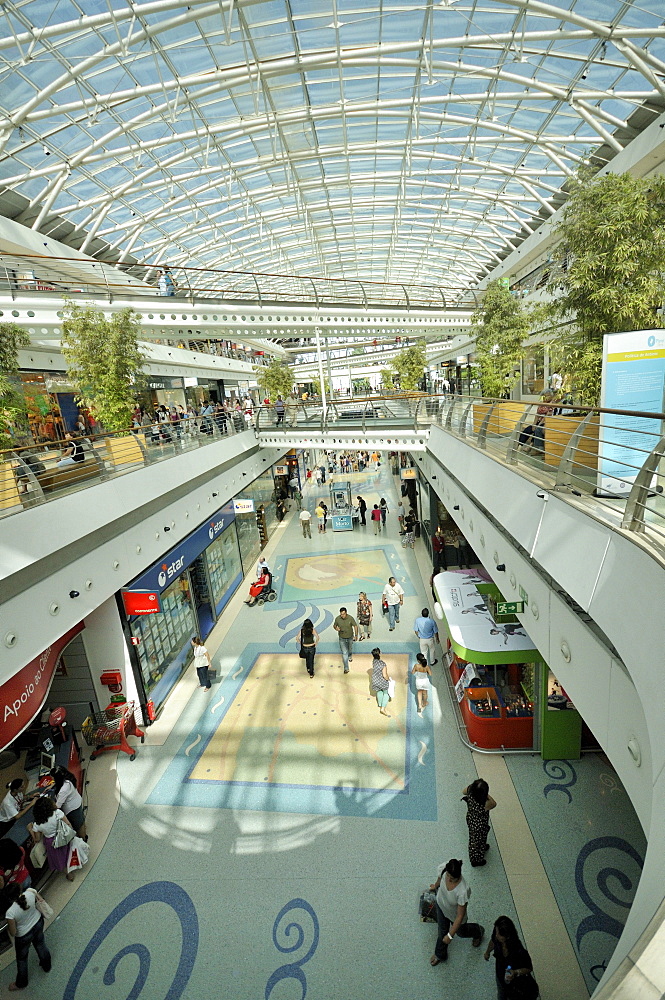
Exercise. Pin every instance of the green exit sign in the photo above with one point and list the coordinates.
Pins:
(510, 607)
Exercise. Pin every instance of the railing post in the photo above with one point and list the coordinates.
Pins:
(482, 433)
(565, 469)
(449, 418)
(513, 441)
(465, 417)
(147, 459)
(633, 515)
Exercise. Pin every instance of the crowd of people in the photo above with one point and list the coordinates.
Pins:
(59, 839)
(166, 423)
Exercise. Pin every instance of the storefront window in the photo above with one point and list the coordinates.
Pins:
(224, 565)
(533, 371)
(163, 647)
(248, 539)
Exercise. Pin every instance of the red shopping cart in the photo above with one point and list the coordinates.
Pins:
(108, 730)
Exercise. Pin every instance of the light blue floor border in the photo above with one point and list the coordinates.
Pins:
(417, 801)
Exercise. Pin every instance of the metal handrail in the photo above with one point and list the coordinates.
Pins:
(31, 475)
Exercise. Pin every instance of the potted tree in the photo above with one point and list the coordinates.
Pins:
(276, 379)
(105, 365)
(13, 411)
(500, 325)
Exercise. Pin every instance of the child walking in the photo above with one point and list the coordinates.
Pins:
(422, 673)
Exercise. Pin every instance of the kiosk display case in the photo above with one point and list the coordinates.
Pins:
(491, 663)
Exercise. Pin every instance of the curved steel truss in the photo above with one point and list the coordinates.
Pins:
(391, 140)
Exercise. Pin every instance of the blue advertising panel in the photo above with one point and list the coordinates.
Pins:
(633, 379)
(171, 565)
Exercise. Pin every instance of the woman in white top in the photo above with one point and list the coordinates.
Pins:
(26, 925)
(68, 799)
(14, 805)
(452, 897)
(45, 828)
(422, 675)
(201, 662)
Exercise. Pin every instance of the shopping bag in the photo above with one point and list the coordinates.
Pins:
(38, 855)
(391, 688)
(64, 834)
(426, 907)
(78, 855)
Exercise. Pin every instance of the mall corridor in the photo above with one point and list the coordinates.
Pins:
(274, 834)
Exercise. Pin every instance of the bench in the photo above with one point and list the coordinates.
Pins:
(68, 475)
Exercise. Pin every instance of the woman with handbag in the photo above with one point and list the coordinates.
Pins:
(514, 968)
(380, 681)
(68, 798)
(364, 616)
(479, 802)
(26, 925)
(52, 826)
(308, 637)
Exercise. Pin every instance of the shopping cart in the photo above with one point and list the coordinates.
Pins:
(108, 730)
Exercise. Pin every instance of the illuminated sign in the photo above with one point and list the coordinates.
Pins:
(141, 602)
(243, 506)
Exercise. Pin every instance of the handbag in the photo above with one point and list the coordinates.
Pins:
(44, 908)
(38, 855)
(79, 853)
(427, 907)
(384, 605)
(522, 988)
(64, 833)
(391, 688)
(302, 654)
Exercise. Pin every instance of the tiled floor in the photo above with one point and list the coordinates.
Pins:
(273, 835)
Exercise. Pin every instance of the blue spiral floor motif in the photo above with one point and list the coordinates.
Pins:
(609, 880)
(564, 774)
(154, 892)
(298, 616)
(293, 969)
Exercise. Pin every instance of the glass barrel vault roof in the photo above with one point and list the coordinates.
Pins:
(392, 141)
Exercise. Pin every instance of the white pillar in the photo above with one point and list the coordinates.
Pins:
(320, 363)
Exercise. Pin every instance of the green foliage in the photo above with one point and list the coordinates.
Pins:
(409, 365)
(316, 386)
(13, 412)
(104, 360)
(361, 385)
(276, 378)
(500, 326)
(611, 269)
(387, 379)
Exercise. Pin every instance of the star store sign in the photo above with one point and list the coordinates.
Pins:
(173, 563)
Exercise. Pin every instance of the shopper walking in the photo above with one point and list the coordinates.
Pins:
(376, 519)
(394, 597)
(479, 802)
(362, 509)
(383, 507)
(297, 497)
(305, 519)
(427, 631)
(452, 898)
(364, 615)
(512, 961)
(45, 828)
(26, 925)
(308, 638)
(320, 516)
(294, 485)
(422, 674)
(201, 662)
(324, 508)
(280, 410)
(380, 681)
(347, 630)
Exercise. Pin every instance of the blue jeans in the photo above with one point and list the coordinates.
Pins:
(34, 936)
(346, 646)
(393, 614)
(203, 676)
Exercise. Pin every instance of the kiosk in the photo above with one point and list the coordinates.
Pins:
(341, 506)
(492, 663)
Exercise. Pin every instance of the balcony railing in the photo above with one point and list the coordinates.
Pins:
(36, 474)
(609, 460)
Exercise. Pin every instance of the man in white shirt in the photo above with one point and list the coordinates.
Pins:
(260, 566)
(306, 523)
(394, 596)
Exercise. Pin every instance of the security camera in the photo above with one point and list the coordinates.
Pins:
(73, 594)
(542, 495)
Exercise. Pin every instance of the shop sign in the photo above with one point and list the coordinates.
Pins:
(173, 563)
(141, 602)
(156, 385)
(281, 470)
(408, 474)
(22, 696)
(243, 506)
(190, 381)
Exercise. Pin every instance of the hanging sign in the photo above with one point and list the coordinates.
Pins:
(243, 506)
(408, 474)
(141, 602)
(281, 470)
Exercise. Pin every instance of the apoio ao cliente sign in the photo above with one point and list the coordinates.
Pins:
(170, 566)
